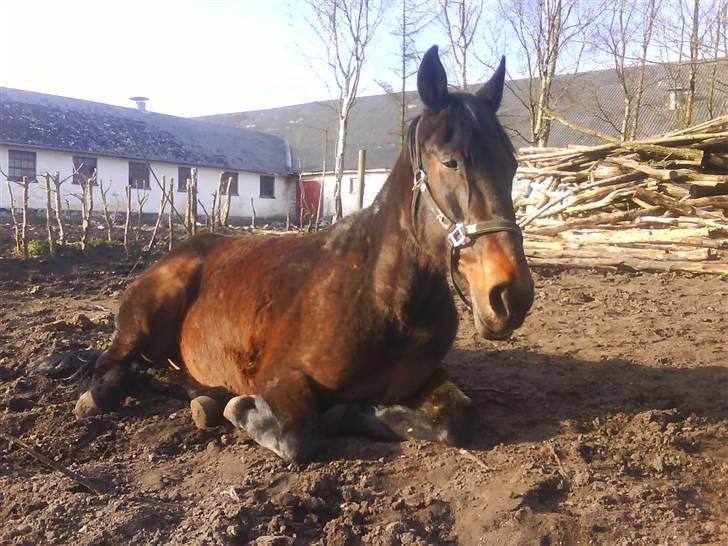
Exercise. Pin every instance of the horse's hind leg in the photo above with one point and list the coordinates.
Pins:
(440, 412)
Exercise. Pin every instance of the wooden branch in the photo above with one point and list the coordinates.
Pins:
(52, 464)
(59, 209)
(49, 217)
(170, 219)
(16, 225)
(606, 218)
(24, 226)
(716, 268)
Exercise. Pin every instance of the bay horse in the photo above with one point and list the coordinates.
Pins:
(344, 330)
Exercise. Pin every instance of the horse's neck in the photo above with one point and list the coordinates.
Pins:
(401, 271)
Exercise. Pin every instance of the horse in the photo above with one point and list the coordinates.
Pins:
(343, 331)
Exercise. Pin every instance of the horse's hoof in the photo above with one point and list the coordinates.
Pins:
(86, 406)
(206, 412)
(237, 409)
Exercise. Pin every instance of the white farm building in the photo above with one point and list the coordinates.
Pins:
(42, 133)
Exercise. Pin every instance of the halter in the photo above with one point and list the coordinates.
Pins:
(459, 234)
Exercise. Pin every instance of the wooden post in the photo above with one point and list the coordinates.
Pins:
(217, 203)
(288, 207)
(170, 246)
(128, 219)
(24, 227)
(105, 205)
(360, 179)
(59, 209)
(140, 215)
(49, 220)
(320, 204)
(18, 246)
(162, 205)
(188, 208)
(87, 207)
(252, 219)
(194, 200)
(225, 212)
(213, 214)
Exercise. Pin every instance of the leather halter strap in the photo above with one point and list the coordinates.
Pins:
(459, 234)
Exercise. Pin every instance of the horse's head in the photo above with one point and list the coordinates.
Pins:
(464, 167)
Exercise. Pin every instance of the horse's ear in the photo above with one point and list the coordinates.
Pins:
(492, 90)
(432, 80)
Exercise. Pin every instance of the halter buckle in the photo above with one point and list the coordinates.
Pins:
(420, 177)
(457, 236)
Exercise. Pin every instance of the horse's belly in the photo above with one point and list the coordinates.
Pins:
(209, 356)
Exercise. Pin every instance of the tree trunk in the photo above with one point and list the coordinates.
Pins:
(24, 227)
(170, 219)
(105, 205)
(339, 166)
(59, 209)
(49, 219)
(128, 219)
(18, 244)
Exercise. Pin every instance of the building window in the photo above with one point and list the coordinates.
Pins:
(183, 175)
(227, 175)
(352, 186)
(267, 187)
(84, 168)
(21, 164)
(139, 175)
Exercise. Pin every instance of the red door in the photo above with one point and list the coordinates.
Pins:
(307, 199)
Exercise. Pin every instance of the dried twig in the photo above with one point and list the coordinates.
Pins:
(469, 455)
(53, 464)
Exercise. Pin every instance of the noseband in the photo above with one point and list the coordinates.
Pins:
(459, 234)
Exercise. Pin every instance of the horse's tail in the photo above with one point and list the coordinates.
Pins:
(67, 366)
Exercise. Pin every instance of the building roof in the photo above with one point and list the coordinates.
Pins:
(51, 122)
(590, 99)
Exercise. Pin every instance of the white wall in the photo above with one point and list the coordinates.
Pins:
(373, 182)
(114, 173)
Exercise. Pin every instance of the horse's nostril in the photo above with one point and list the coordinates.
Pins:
(499, 300)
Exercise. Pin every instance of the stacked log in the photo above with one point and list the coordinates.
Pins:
(654, 204)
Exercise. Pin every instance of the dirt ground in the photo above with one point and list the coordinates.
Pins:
(608, 425)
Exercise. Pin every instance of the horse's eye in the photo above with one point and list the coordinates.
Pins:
(451, 163)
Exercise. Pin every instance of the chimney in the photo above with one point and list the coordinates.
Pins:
(141, 103)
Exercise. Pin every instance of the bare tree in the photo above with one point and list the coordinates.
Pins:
(716, 42)
(412, 17)
(544, 31)
(625, 33)
(683, 37)
(49, 216)
(105, 205)
(345, 28)
(460, 20)
(16, 226)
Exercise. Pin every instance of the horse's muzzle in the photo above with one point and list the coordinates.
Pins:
(507, 305)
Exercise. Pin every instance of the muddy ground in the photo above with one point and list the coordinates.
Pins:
(609, 425)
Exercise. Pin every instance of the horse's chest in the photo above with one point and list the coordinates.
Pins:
(386, 370)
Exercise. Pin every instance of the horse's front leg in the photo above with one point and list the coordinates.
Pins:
(439, 412)
(283, 417)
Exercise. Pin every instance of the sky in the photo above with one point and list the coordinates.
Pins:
(190, 57)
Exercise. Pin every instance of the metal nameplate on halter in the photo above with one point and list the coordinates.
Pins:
(457, 236)
(420, 177)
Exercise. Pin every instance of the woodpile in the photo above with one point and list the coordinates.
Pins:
(654, 204)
